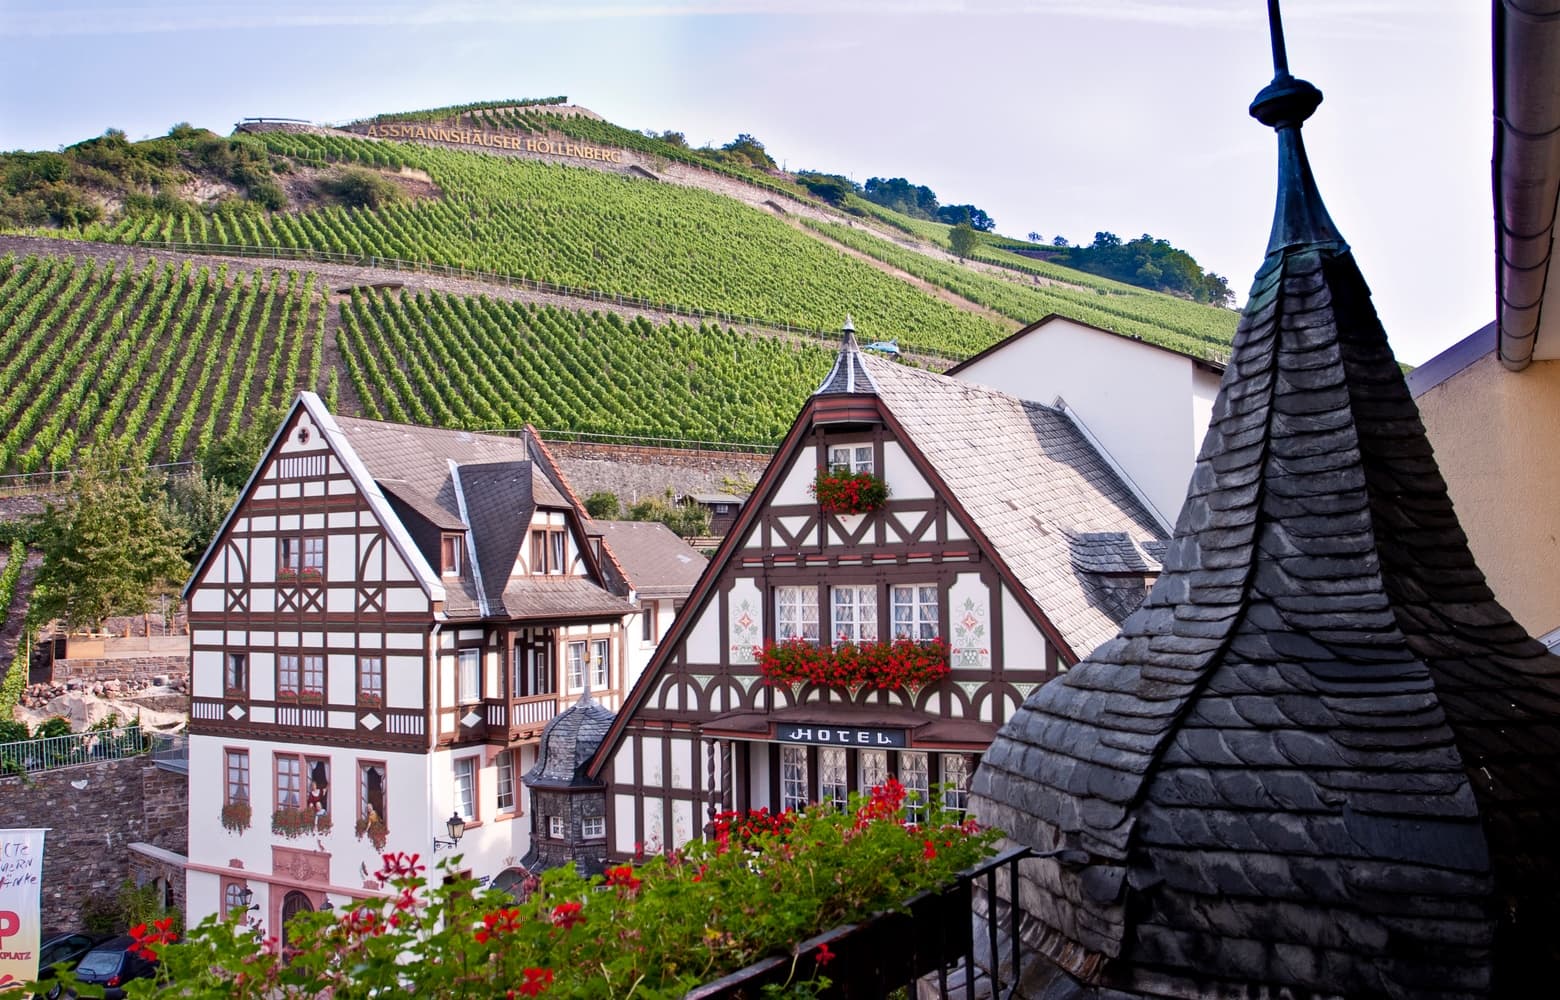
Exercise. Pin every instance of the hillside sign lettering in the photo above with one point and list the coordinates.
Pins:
(839, 736)
(493, 140)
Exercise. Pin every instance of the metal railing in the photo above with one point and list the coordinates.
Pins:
(55, 752)
(171, 751)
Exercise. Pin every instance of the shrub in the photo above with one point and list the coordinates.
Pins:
(361, 188)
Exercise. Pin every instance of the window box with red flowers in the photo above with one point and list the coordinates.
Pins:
(904, 664)
(374, 828)
(236, 816)
(840, 491)
(368, 699)
(311, 697)
(299, 821)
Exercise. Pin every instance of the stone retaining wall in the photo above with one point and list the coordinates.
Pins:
(141, 669)
(635, 472)
(93, 813)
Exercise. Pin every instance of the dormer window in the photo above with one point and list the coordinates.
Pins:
(851, 457)
(449, 557)
(548, 549)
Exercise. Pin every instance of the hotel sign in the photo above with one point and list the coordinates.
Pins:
(839, 736)
(492, 140)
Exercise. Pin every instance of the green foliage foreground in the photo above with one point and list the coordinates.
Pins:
(759, 885)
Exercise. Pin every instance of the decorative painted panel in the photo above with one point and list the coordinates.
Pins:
(745, 620)
(969, 623)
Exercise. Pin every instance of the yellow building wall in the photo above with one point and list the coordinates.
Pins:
(1496, 435)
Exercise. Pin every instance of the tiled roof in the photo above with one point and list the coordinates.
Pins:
(1030, 481)
(567, 744)
(416, 460)
(559, 597)
(657, 562)
(1320, 760)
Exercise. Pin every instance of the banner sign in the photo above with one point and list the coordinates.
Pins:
(839, 736)
(21, 895)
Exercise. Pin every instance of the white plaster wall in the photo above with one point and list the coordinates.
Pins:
(1139, 400)
(803, 470)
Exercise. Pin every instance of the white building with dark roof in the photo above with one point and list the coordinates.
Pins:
(380, 630)
(1005, 534)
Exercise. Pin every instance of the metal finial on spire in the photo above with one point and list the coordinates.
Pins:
(849, 327)
(1283, 105)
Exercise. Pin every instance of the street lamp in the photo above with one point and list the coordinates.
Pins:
(457, 827)
(246, 895)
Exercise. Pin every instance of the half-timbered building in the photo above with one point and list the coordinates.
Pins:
(381, 629)
(1005, 534)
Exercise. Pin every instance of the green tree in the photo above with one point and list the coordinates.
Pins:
(961, 240)
(198, 505)
(110, 548)
(602, 503)
(231, 458)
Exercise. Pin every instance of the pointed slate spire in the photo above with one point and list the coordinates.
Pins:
(1320, 760)
(849, 375)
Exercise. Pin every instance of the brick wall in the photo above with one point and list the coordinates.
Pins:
(93, 813)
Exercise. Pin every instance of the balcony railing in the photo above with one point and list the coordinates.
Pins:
(54, 752)
(928, 947)
(171, 752)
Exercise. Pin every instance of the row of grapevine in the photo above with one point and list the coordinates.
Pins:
(1195, 329)
(476, 362)
(13, 679)
(594, 230)
(164, 356)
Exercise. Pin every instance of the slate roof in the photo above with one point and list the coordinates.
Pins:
(1320, 760)
(849, 375)
(567, 744)
(1032, 483)
(658, 563)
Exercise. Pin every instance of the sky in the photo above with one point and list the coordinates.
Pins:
(1063, 117)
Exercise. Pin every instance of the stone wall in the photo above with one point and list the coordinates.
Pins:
(163, 671)
(634, 472)
(93, 813)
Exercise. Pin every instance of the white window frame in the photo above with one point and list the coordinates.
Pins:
(313, 547)
(465, 787)
(289, 667)
(796, 613)
(957, 768)
(311, 674)
(833, 777)
(793, 777)
(861, 600)
(594, 828)
(871, 769)
(371, 677)
(468, 666)
(555, 827)
(853, 458)
(600, 663)
(915, 776)
(505, 781)
(913, 610)
(575, 653)
(235, 776)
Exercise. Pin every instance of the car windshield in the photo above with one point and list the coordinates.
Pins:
(100, 963)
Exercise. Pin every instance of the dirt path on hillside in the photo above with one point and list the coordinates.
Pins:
(341, 277)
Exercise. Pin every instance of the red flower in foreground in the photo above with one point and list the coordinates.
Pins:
(161, 932)
(930, 852)
(566, 915)
(825, 956)
(624, 878)
(536, 982)
(503, 921)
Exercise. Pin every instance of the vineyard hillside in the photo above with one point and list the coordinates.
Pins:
(480, 267)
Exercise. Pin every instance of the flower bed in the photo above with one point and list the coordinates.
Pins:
(903, 663)
(840, 491)
(762, 885)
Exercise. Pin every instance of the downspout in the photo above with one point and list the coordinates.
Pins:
(1526, 167)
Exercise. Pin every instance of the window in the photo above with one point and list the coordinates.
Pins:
(313, 676)
(594, 828)
(872, 766)
(289, 781)
(913, 775)
(371, 681)
(533, 670)
(237, 770)
(956, 781)
(506, 781)
(289, 678)
(600, 663)
(371, 792)
(852, 458)
(832, 771)
(555, 827)
(317, 795)
(796, 613)
(855, 614)
(647, 624)
(575, 661)
(793, 777)
(548, 549)
(449, 555)
(233, 899)
(235, 679)
(915, 611)
(314, 555)
(288, 556)
(470, 675)
(300, 556)
(466, 788)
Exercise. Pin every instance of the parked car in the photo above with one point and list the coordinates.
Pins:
(65, 947)
(110, 965)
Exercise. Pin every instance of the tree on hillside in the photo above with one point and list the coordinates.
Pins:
(961, 240)
(917, 201)
(977, 219)
(748, 149)
(110, 548)
(1035, 237)
(832, 188)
